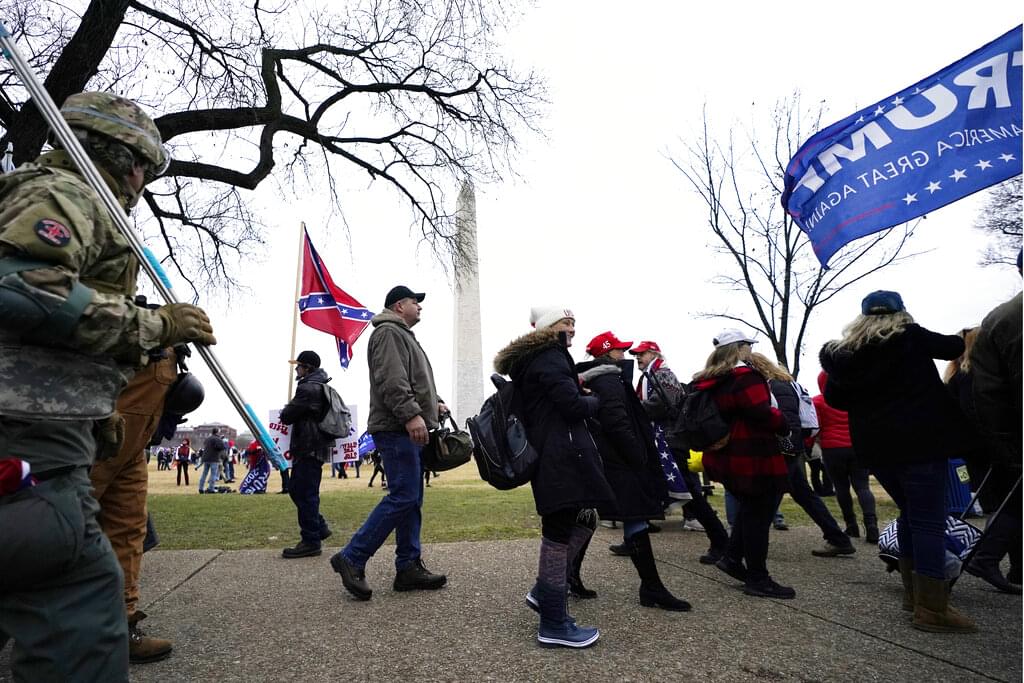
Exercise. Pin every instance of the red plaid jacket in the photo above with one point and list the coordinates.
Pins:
(750, 463)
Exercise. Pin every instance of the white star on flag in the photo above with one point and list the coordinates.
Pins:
(910, 198)
(983, 164)
(319, 299)
(898, 101)
(364, 314)
(917, 91)
(860, 119)
(880, 110)
(671, 477)
(933, 187)
(1007, 157)
(344, 311)
(958, 174)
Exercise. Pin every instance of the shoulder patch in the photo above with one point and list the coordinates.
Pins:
(52, 233)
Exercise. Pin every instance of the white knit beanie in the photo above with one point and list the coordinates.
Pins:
(546, 316)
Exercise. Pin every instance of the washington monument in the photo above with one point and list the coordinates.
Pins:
(466, 357)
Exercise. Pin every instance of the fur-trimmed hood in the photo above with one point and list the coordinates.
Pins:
(593, 369)
(524, 347)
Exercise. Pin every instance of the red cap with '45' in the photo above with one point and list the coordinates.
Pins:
(605, 342)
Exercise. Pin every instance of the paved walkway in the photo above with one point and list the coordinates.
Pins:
(251, 616)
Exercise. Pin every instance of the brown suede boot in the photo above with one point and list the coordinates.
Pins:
(143, 649)
(907, 575)
(932, 611)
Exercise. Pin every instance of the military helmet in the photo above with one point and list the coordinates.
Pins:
(120, 119)
(185, 395)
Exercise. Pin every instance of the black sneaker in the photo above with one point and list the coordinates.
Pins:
(352, 577)
(621, 549)
(734, 569)
(832, 550)
(871, 534)
(326, 533)
(418, 577)
(852, 530)
(303, 549)
(712, 556)
(767, 588)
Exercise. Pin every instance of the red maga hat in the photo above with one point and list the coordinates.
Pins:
(605, 342)
(645, 346)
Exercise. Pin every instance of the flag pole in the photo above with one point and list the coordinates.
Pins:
(295, 308)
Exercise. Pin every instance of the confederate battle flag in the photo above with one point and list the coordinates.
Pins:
(325, 307)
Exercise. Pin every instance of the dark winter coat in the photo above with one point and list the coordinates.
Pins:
(996, 369)
(554, 411)
(304, 413)
(834, 424)
(789, 405)
(900, 412)
(750, 463)
(213, 448)
(625, 440)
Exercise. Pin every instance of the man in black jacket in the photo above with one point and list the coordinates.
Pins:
(310, 449)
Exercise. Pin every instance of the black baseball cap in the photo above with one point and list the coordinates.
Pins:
(402, 292)
(310, 358)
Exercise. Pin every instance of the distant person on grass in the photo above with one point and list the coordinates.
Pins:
(403, 407)
(310, 448)
(212, 449)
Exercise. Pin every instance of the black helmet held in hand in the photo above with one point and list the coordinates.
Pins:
(185, 395)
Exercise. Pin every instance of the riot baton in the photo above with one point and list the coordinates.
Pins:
(149, 262)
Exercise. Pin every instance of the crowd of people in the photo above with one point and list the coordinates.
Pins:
(73, 470)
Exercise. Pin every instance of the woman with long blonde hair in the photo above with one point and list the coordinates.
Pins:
(749, 463)
(904, 426)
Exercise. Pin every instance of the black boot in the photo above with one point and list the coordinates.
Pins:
(994, 545)
(576, 586)
(652, 591)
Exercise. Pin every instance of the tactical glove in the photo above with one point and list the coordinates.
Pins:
(185, 323)
(109, 436)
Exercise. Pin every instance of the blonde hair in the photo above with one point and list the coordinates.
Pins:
(963, 363)
(723, 359)
(771, 370)
(867, 329)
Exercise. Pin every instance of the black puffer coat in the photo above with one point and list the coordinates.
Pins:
(554, 411)
(304, 413)
(625, 440)
(900, 412)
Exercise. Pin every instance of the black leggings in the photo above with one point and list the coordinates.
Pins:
(557, 526)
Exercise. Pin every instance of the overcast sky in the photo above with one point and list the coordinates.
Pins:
(600, 221)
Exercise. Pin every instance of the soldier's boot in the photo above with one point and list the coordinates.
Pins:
(143, 649)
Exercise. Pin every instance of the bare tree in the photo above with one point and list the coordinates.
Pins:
(1001, 219)
(771, 259)
(411, 93)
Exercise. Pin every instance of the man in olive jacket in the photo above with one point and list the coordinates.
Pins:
(403, 407)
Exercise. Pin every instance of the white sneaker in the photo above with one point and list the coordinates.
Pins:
(692, 525)
(607, 524)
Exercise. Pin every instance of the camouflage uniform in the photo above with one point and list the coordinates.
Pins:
(58, 384)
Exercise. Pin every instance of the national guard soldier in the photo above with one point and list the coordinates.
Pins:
(70, 338)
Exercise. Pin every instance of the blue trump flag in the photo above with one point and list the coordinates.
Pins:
(943, 138)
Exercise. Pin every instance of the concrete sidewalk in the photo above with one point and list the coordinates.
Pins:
(252, 616)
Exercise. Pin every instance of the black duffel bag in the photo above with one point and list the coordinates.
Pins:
(448, 448)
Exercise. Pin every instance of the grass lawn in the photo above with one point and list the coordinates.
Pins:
(457, 507)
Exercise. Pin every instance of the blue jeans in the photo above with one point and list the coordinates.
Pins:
(211, 469)
(399, 511)
(304, 490)
(919, 490)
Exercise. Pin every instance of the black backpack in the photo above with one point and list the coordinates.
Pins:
(502, 452)
(337, 420)
(699, 424)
